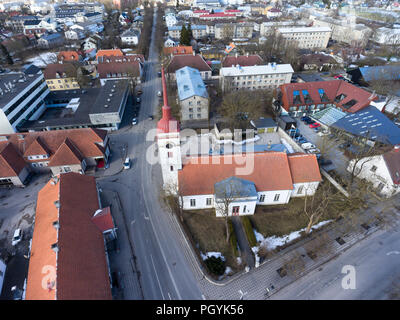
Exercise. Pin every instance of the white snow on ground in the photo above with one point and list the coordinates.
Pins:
(212, 254)
(287, 145)
(239, 260)
(228, 270)
(43, 59)
(274, 241)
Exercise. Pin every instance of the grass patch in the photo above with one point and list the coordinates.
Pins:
(283, 219)
(233, 239)
(248, 229)
(208, 234)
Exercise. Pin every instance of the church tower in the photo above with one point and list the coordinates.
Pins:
(168, 141)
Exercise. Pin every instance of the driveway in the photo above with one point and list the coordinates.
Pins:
(328, 147)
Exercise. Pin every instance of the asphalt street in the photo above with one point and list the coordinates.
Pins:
(164, 270)
(376, 262)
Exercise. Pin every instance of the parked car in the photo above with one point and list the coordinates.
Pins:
(159, 93)
(159, 74)
(313, 150)
(151, 117)
(138, 100)
(302, 140)
(127, 163)
(134, 121)
(310, 121)
(305, 118)
(308, 145)
(324, 162)
(17, 237)
(314, 125)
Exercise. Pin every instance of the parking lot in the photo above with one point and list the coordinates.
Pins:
(329, 146)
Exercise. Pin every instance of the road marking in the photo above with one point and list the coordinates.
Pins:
(392, 252)
(169, 296)
(158, 280)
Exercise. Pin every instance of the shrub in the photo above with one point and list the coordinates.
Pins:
(248, 228)
(233, 239)
(215, 265)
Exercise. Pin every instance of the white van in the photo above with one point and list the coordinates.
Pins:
(17, 237)
(127, 163)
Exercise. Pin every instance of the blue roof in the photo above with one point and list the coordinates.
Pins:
(234, 187)
(390, 72)
(372, 124)
(189, 83)
(174, 28)
(51, 36)
(198, 27)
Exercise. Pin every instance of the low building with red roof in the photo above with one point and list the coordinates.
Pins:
(115, 67)
(57, 151)
(178, 50)
(311, 97)
(68, 258)
(190, 60)
(109, 53)
(69, 56)
(243, 61)
(219, 15)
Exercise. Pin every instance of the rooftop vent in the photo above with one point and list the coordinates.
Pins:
(56, 224)
(57, 203)
(106, 106)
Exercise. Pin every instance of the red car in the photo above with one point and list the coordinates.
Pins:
(314, 125)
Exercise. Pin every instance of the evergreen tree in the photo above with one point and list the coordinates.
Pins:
(190, 33)
(185, 38)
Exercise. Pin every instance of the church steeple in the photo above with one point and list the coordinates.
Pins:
(167, 123)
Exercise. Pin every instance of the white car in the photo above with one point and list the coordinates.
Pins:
(313, 150)
(307, 146)
(127, 163)
(159, 93)
(17, 237)
(134, 121)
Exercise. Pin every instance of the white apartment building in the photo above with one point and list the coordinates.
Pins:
(387, 36)
(22, 97)
(231, 30)
(255, 77)
(267, 28)
(307, 38)
(344, 30)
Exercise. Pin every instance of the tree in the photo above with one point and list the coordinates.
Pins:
(184, 39)
(240, 106)
(226, 192)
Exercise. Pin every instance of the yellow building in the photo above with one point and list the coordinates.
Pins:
(61, 76)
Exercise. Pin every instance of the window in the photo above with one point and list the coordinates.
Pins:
(171, 168)
(349, 104)
(192, 202)
(276, 198)
(373, 168)
(208, 201)
(244, 209)
(340, 97)
(169, 154)
(262, 198)
(300, 190)
(67, 169)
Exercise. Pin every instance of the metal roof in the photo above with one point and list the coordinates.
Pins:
(234, 187)
(189, 83)
(372, 124)
(381, 73)
(329, 115)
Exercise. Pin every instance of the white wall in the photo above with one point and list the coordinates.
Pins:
(284, 197)
(304, 188)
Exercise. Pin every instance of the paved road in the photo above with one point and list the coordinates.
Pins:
(376, 261)
(164, 270)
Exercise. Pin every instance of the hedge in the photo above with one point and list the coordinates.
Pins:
(233, 239)
(248, 229)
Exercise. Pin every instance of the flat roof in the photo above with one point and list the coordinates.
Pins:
(13, 83)
(304, 29)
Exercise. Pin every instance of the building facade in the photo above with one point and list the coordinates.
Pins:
(307, 38)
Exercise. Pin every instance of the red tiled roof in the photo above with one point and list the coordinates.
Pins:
(103, 219)
(196, 62)
(118, 65)
(53, 69)
(178, 50)
(216, 15)
(304, 168)
(87, 140)
(80, 267)
(66, 154)
(11, 162)
(268, 170)
(68, 56)
(392, 160)
(109, 52)
(332, 89)
(244, 61)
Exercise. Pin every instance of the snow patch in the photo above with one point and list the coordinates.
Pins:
(212, 254)
(273, 242)
(43, 59)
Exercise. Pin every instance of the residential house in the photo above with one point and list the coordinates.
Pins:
(66, 56)
(51, 40)
(382, 171)
(255, 77)
(170, 20)
(274, 13)
(130, 37)
(244, 61)
(178, 50)
(387, 36)
(298, 99)
(318, 62)
(192, 94)
(170, 43)
(68, 242)
(17, 23)
(109, 53)
(217, 16)
(116, 67)
(270, 27)
(61, 76)
(38, 27)
(366, 75)
(193, 61)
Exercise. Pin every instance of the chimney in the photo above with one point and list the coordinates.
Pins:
(57, 204)
(56, 224)
(54, 247)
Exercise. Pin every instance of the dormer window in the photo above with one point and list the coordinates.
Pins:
(349, 104)
(340, 97)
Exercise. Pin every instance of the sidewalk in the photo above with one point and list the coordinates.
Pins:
(245, 250)
(129, 286)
